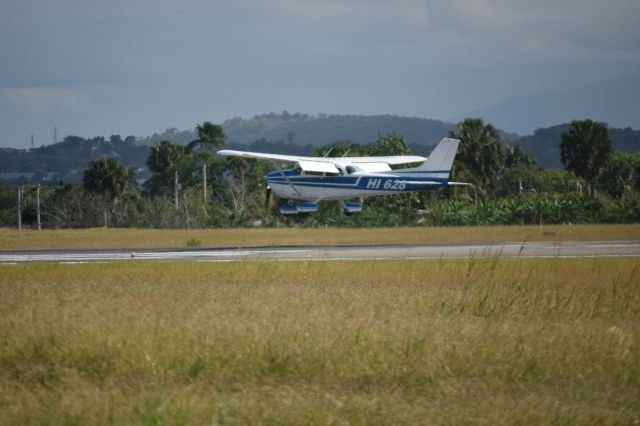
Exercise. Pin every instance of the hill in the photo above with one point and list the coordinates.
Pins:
(324, 129)
(67, 159)
(317, 130)
(613, 101)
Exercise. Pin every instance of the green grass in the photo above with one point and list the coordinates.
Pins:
(489, 341)
(142, 238)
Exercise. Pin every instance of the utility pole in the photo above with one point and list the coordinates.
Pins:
(32, 144)
(20, 208)
(38, 207)
(55, 134)
(204, 180)
(176, 188)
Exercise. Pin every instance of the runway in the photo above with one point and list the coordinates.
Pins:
(430, 251)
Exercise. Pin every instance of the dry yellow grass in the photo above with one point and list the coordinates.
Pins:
(489, 341)
(142, 238)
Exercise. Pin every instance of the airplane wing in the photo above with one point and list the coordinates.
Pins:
(390, 159)
(371, 163)
(261, 156)
(309, 164)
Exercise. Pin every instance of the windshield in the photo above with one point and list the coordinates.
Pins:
(352, 169)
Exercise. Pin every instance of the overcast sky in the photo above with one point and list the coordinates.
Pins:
(135, 67)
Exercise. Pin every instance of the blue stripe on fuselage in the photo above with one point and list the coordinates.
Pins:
(367, 183)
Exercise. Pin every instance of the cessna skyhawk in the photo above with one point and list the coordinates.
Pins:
(314, 179)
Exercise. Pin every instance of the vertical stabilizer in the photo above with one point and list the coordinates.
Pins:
(439, 163)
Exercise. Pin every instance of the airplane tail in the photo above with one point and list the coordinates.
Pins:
(438, 164)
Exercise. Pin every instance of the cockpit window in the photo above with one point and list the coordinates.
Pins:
(353, 169)
(296, 171)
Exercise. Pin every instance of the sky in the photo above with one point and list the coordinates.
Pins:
(136, 67)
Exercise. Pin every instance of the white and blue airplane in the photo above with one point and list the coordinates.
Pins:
(314, 179)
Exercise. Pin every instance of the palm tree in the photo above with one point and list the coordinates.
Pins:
(480, 151)
(106, 177)
(210, 136)
(585, 148)
(164, 160)
(163, 156)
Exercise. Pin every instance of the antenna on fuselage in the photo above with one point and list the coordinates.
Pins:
(328, 152)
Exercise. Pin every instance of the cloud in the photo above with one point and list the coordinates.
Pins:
(355, 13)
(139, 64)
(43, 100)
(588, 25)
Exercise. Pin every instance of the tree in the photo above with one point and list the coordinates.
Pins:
(343, 148)
(107, 178)
(480, 151)
(516, 157)
(164, 160)
(585, 148)
(620, 173)
(163, 156)
(391, 144)
(210, 136)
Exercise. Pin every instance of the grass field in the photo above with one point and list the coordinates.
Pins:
(144, 238)
(480, 341)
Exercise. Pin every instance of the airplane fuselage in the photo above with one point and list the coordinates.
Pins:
(289, 185)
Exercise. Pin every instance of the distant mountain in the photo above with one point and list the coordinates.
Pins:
(318, 130)
(544, 144)
(324, 129)
(616, 102)
(180, 137)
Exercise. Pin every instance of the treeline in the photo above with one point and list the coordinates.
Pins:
(297, 134)
(190, 187)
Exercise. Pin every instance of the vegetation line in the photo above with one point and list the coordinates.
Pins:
(187, 186)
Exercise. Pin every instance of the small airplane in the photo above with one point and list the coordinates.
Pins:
(314, 179)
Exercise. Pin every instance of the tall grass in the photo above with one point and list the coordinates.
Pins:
(439, 341)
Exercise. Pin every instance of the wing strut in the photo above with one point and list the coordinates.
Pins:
(284, 175)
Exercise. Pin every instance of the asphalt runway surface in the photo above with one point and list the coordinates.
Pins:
(427, 251)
